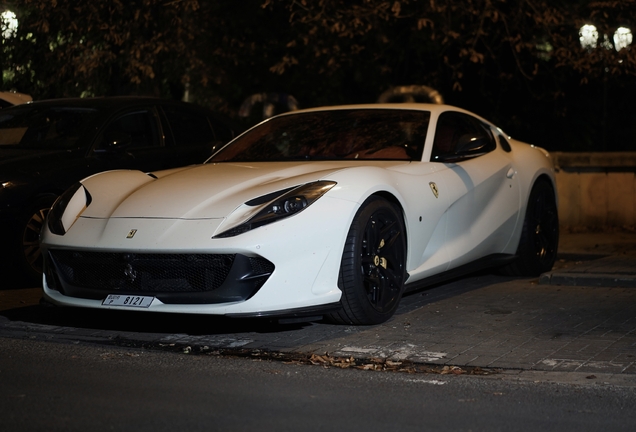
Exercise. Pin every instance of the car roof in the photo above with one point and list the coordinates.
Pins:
(434, 109)
(110, 102)
(437, 108)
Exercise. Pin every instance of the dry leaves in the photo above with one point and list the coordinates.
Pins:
(373, 364)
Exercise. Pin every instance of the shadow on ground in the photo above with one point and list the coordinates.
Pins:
(200, 325)
(144, 322)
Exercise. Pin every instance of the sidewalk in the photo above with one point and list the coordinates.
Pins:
(595, 259)
(561, 322)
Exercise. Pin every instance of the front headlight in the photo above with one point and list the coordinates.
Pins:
(67, 208)
(291, 202)
(13, 190)
(10, 184)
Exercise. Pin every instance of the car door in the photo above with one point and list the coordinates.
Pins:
(480, 185)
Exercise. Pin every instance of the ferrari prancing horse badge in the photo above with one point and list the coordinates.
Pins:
(434, 189)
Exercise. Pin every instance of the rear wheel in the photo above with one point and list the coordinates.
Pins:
(537, 248)
(372, 270)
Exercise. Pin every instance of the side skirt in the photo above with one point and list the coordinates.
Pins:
(494, 260)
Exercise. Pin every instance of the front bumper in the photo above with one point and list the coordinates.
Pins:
(171, 278)
(291, 265)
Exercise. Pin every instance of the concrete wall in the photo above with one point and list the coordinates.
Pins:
(596, 191)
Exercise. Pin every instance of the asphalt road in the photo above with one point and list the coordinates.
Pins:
(483, 352)
(47, 386)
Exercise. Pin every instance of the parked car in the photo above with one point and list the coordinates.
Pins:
(47, 146)
(8, 99)
(328, 211)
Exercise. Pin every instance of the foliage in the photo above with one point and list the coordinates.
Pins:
(517, 62)
(66, 47)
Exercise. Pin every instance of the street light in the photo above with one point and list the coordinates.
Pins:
(9, 24)
(589, 38)
(622, 38)
(588, 35)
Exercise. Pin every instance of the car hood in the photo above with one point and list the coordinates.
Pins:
(31, 162)
(197, 192)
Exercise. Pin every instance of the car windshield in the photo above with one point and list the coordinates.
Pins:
(385, 134)
(44, 128)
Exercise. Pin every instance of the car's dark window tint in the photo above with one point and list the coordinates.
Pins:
(333, 135)
(139, 126)
(44, 128)
(189, 127)
(456, 130)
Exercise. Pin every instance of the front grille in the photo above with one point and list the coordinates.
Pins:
(133, 272)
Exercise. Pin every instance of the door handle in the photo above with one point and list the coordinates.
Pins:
(511, 173)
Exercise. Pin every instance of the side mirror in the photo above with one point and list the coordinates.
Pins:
(469, 144)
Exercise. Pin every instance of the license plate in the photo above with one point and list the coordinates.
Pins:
(127, 300)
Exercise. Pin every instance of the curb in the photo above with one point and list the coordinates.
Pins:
(587, 279)
(609, 272)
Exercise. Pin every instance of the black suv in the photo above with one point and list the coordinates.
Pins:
(46, 146)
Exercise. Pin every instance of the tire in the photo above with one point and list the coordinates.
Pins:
(372, 270)
(28, 241)
(539, 241)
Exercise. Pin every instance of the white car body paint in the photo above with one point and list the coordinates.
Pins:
(478, 211)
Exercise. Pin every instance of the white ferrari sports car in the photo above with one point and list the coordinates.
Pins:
(332, 212)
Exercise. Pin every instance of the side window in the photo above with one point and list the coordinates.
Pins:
(189, 127)
(459, 136)
(138, 129)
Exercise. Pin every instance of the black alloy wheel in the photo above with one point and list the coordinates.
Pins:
(539, 242)
(373, 269)
(29, 242)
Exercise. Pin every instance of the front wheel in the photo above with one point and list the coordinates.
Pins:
(537, 249)
(28, 243)
(373, 270)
